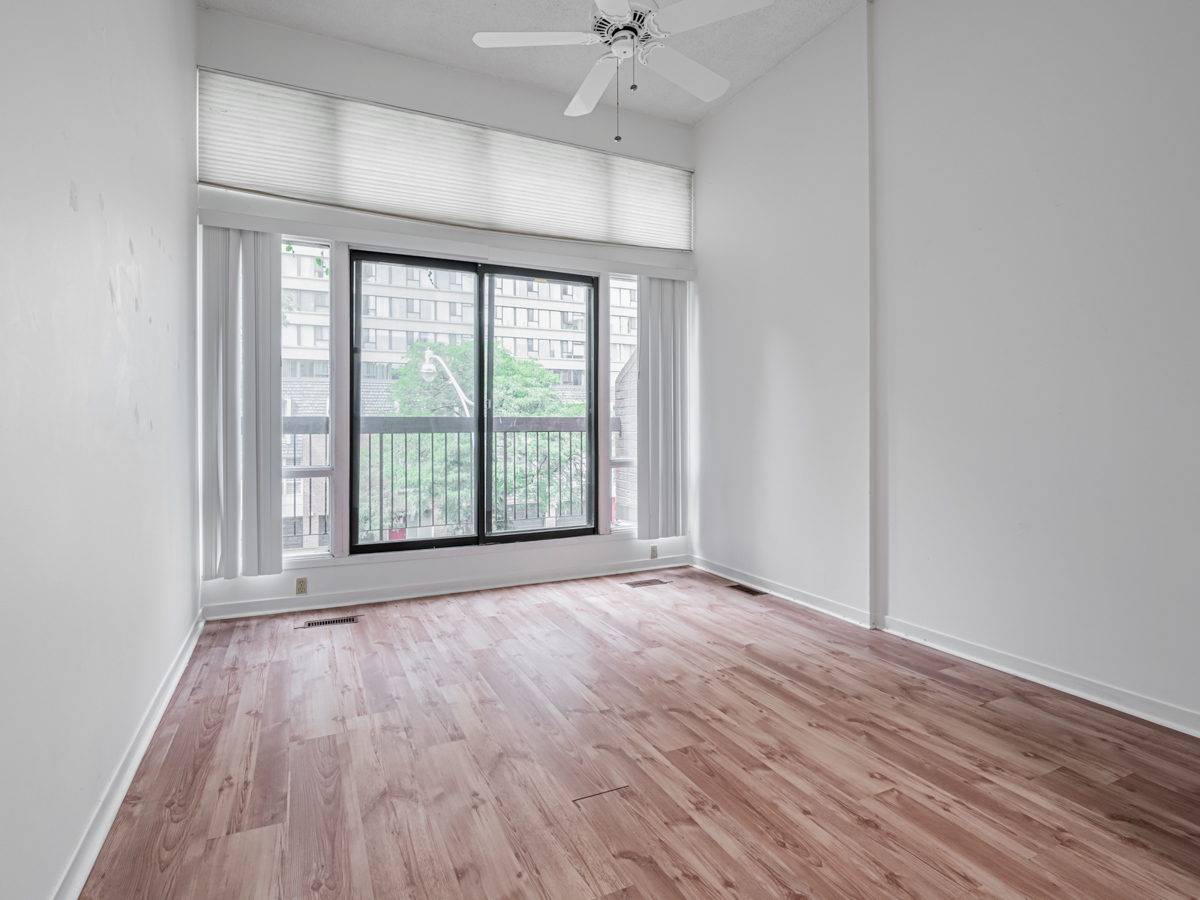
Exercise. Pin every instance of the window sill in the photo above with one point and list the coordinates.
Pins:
(314, 561)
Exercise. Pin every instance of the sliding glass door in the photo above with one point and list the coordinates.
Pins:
(416, 424)
(540, 416)
(463, 376)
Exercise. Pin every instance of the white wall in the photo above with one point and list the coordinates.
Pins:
(257, 49)
(782, 254)
(97, 535)
(1039, 327)
(371, 578)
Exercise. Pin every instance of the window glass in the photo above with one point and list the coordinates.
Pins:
(416, 410)
(540, 463)
(623, 376)
(305, 386)
(432, 466)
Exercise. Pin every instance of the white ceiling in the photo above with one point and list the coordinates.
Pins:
(742, 49)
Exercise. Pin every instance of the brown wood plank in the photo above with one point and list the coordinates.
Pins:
(588, 740)
(247, 865)
(326, 852)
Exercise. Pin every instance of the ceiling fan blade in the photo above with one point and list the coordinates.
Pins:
(690, 14)
(687, 73)
(614, 9)
(593, 86)
(532, 38)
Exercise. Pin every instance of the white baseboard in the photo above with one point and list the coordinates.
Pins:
(795, 595)
(1174, 717)
(237, 609)
(88, 848)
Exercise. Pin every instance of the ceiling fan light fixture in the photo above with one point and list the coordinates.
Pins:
(624, 45)
(634, 30)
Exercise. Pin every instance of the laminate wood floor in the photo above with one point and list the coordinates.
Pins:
(591, 740)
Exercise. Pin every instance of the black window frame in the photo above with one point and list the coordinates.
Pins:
(484, 336)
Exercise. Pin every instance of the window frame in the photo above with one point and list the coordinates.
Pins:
(484, 326)
(329, 470)
(591, 359)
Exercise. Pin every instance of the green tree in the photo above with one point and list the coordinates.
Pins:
(412, 480)
(523, 387)
(520, 387)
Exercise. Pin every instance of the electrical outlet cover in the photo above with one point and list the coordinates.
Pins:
(301, 585)
(654, 551)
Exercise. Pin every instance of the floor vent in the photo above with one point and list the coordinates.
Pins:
(753, 592)
(344, 620)
(649, 582)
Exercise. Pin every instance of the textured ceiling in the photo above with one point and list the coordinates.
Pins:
(742, 49)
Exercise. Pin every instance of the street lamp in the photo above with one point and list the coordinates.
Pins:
(429, 372)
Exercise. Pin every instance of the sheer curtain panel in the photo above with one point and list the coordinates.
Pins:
(662, 408)
(241, 461)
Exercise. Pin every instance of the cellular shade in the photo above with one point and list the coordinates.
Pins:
(303, 145)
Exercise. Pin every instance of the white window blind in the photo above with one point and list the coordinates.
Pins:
(303, 145)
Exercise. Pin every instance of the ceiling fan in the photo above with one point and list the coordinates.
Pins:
(635, 30)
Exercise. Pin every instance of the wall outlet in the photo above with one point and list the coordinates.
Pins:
(654, 551)
(301, 585)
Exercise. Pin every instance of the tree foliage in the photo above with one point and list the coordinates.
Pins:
(424, 480)
(521, 387)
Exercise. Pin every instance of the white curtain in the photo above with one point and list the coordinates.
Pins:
(662, 408)
(241, 454)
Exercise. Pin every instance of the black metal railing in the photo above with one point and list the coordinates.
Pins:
(306, 441)
(416, 476)
(539, 473)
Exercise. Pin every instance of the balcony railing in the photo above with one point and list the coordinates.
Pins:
(539, 473)
(417, 481)
(416, 476)
(306, 484)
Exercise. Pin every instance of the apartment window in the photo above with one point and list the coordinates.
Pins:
(298, 300)
(570, 376)
(622, 294)
(377, 371)
(622, 325)
(383, 307)
(622, 393)
(469, 432)
(472, 438)
(304, 368)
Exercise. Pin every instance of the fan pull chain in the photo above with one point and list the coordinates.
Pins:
(633, 86)
(618, 137)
